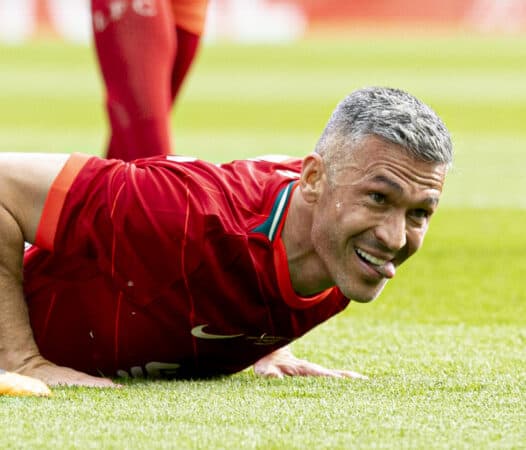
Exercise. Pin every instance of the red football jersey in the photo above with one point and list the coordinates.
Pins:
(167, 266)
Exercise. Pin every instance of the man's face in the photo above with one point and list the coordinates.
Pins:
(373, 216)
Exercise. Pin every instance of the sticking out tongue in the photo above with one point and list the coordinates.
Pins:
(387, 270)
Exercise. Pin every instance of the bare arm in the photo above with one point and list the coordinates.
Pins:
(25, 180)
(282, 362)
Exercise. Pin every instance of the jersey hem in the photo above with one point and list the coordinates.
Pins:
(190, 16)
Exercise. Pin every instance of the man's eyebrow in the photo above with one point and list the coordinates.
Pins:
(432, 201)
(385, 180)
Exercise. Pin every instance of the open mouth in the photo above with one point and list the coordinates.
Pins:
(383, 267)
(367, 257)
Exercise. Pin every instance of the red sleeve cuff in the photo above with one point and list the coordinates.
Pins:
(47, 227)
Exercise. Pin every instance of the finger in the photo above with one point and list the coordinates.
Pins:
(311, 369)
(323, 372)
(64, 376)
(306, 369)
(268, 371)
(350, 374)
(84, 381)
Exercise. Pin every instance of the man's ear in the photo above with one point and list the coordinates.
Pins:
(313, 177)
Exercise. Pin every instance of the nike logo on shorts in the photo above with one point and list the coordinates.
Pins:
(199, 332)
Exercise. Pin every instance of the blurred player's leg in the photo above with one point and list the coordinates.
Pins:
(136, 43)
(187, 44)
(20, 385)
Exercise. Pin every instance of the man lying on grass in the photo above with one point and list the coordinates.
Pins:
(175, 267)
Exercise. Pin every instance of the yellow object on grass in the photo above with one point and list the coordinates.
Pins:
(20, 385)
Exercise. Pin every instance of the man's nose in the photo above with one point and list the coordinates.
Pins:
(392, 232)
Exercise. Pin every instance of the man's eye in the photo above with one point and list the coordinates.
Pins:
(377, 197)
(421, 213)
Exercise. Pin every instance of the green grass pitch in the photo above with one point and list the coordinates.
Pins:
(444, 346)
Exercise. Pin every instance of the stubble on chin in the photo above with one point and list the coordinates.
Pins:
(364, 295)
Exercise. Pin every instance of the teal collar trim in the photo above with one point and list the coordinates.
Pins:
(271, 225)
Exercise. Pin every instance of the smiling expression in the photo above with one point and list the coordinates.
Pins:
(372, 216)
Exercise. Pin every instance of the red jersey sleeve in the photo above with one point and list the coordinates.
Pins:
(137, 220)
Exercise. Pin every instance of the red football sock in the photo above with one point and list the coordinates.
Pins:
(136, 46)
(187, 44)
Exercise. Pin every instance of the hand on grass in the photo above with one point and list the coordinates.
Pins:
(54, 375)
(282, 362)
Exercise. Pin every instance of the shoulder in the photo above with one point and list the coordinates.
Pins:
(248, 174)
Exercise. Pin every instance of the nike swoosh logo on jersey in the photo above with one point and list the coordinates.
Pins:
(199, 333)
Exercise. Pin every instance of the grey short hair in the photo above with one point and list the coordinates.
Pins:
(390, 114)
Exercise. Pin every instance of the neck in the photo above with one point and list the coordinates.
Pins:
(305, 267)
